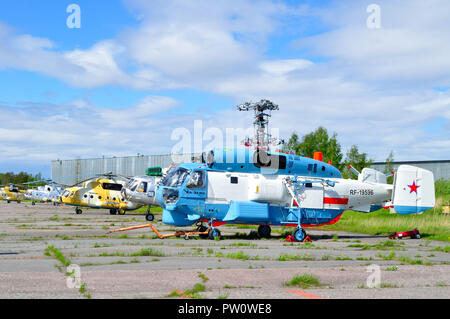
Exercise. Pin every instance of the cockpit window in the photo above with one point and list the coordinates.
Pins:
(143, 186)
(175, 178)
(132, 184)
(197, 180)
(112, 186)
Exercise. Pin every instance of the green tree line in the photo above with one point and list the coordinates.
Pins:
(19, 178)
(321, 141)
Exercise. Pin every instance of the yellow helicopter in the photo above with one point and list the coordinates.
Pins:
(12, 193)
(101, 192)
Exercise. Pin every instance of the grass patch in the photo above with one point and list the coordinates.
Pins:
(441, 284)
(148, 252)
(392, 268)
(50, 250)
(195, 291)
(243, 244)
(142, 252)
(239, 255)
(55, 218)
(304, 281)
(407, 260)
(388, 285)
(445, 249)
(342, 257)
(285, 257)
(383, 245)
(175, 293)
(404, 259)
(203, 277)
(153, 210)
(391, 256)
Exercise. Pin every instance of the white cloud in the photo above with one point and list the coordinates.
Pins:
(410, 46)
(374, 87)
(281, 67)
(79, 128)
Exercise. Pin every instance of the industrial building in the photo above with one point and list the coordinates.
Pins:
(440, 168)
(70, 172)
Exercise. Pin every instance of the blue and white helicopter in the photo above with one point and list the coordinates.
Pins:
(260, 187)
(46, 193)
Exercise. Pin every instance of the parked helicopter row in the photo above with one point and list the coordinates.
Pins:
(108, 191)
(44, 194)
(251, 185)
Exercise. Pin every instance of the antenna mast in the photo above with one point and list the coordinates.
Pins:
(262, 139)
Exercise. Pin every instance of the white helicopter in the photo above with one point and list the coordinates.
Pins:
(45, 194)
(142, 189)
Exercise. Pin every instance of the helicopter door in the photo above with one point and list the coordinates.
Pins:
(196, 190)
(311, 196)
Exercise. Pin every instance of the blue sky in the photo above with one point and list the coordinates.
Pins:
(136, 70)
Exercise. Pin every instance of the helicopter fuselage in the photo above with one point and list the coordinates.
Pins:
(98, 193)
(305, 193)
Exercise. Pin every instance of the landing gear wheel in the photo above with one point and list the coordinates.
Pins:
(113, 211)
(8, 201)
(264, 231)
(149, 217)
(299, 234)
(214, 233)
(417, 236)
(121, 211)
(33, 203)
(78, 211)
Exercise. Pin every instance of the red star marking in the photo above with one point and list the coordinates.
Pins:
(413, 187)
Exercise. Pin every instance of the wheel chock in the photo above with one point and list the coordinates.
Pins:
(307, 239)
(291, 239)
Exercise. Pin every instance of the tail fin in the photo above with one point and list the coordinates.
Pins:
(413, 190)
